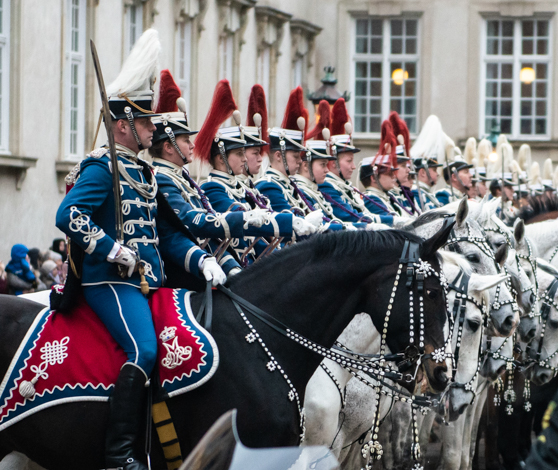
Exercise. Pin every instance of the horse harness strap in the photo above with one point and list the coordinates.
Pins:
(167, 435)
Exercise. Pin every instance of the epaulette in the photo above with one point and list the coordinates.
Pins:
(72, 177)
(98, 153)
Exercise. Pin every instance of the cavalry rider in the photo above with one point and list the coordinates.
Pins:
(458, 178)
(286, 145)
(172, 150)
(402, 190)
(87, 215)
(377, 175)
(255, 134)
(224, 148)
(337, 189)
(427, 177)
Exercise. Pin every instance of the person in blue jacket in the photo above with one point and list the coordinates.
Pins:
(172, 151)
(20, 274)
(346, 200)
(110, 277)
(224, 149)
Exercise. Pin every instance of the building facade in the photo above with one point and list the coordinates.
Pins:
(473, 63)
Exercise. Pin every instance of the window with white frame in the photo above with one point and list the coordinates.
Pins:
(297, 71)
(226, 57)
(134, 25)
(516, 76)
(74, 80)
(4, 75)
(184, 57)
(385, 71)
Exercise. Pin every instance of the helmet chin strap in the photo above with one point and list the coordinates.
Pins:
(170, 133)
(454, 171)
(309, 162)
(377, 179)
(284, 156)
(130, 117)
(247, 169)
(334, 152)
(223, 153)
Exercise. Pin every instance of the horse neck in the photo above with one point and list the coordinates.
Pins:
(544, 236)
(316, 300)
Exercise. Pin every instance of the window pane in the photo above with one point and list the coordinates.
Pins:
(541, 71)
(395, 105)
(360, 88)
(396, 90)
(526, 108)
(396, 46)
(507, 28)
(493, 28)
(360, 106)
(526, 90)
(376, 88)
(410, 46)
(377, 26)
(506, 108)
(540, 126)
(492, 47)
(507, 47)
(361, 69)
(376, 69)
(362, 45)
(542, 28)
(541, 108)
(542, 46)
(491, 70)
(411, 68)
(541, 89)
(491, 108)
(507, 70)
(506, 89)
(491, 89)
(526, 126)
(375, 106)
(362, 27)
(410, 106)
(376, 46)
(411, 28)
(505, 126)
(410, 88)
(396, 28)
(411, 123)
(528, 28)
(375, 124)
(360, 124)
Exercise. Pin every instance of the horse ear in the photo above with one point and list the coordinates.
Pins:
(519, 231)
(502, 254)
(480, 283)
(437, 241)
(462, 211)
(547, 267)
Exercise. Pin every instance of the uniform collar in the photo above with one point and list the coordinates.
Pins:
(125, 151)
(336, 178)
(230, 179)
(166, 164)
(458, 194)
(425, 187)
(278, 175)
(378, 193)
(306, 182)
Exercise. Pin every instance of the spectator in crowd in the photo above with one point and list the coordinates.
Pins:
(59, 246)
(49, 274)
(35, 258)
(3, 279)
(20, 275)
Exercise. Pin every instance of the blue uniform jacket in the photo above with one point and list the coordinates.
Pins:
(187, 204)
(430, 201)
(277, 188)
(86, 215)
(226, 195)
(445, 197)
(345, 206)
(383, 209)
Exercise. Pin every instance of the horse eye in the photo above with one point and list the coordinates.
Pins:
(533, 298)
(473, 325)
(432, 294)
(473, 258)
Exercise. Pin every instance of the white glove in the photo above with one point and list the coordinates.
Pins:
(234, 272)
(315, 218)
(126, 257)
(351, 228)
(398, 220)
(213, 272)
(256, 218)
(302, 227)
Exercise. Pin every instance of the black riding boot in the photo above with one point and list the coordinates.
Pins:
(126, 420)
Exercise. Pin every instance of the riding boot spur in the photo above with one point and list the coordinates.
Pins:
(126, 419)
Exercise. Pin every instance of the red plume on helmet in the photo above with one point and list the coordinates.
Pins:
(324, 113)
(400, 128)
(295, 109)
(256, 104)
(168, 94)
(339, 116)
(387, 138)
(221, 109)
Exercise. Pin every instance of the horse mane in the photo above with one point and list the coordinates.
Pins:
(426, 218)
(538, 205)
(348, 245)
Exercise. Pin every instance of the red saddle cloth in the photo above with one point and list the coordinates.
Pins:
(72, 357)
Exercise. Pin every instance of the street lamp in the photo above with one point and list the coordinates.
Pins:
(527, 75)
(399, 76)
(327, 91)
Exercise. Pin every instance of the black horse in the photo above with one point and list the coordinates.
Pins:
(315, 287)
